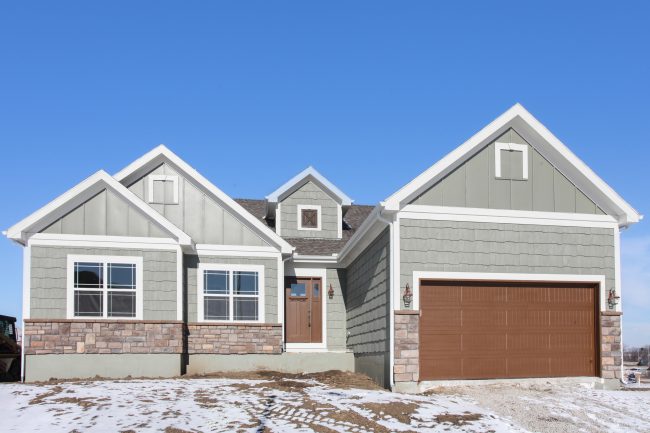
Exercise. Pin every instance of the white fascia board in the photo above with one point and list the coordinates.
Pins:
(103, 241)
(78, 195)
(504, 216)
(300, 258)
(541, 139)
(161, 154)
(236, 251)
(310, 173)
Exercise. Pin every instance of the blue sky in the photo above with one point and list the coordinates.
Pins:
(370, 93)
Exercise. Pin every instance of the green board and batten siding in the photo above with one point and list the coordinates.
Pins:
(367, 304)
(48, 292)
(309, 194)
(475, 185)
(454, 246)
(197, 214)
(106, 214)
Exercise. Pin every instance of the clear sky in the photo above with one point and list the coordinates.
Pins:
(370, 93)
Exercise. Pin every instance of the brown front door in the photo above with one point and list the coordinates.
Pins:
(487, 330)
(303, 310)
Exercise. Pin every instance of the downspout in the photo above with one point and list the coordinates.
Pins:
(391, 313)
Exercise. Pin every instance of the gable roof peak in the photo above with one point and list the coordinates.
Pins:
(310, 173)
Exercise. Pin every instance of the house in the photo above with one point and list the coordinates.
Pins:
(502, 260)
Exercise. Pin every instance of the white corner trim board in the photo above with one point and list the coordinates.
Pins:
(510, 147)
(230, 268)
(104, 260)
(503, 216)
(497, 276)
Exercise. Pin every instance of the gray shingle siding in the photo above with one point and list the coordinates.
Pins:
(336, 326)
(49, 280)
(191, 263)
(449, 246)
(309, 194)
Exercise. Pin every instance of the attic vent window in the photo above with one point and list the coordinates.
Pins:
(309, 217)
(163, 189)
(511, 161)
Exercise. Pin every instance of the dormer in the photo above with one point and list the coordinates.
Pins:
(308, 206)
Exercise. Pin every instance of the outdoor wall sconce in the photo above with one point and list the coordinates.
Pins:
(330, 292)
(612, 299)
(408, 296)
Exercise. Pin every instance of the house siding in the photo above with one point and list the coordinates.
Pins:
(475, 185)
(48, 282)
(197, 214)
(309, 194)
(367, 305)
(451, 246)
(336, 326)
(191, 263)
(106, 214)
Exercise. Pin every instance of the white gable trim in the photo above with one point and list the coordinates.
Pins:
(79, 194)
(543, 141)
(310, 173)
(162, 154)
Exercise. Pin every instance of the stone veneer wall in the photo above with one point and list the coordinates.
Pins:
(611, 355)
(407, 341)
(61, 336)
(230, 338)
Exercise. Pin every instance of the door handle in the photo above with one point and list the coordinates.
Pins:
(309, 318)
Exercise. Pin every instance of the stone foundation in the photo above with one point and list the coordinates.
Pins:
(230, 338)
(611, 354)
(50, 336)
(407, 341)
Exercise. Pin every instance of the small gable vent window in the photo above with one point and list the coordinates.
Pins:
(309, 217)
(163, 189)
(511, 161)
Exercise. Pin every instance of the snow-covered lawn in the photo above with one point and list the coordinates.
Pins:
(290, 404)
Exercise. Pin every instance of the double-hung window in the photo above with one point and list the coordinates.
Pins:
(105, 287)
(230, 293)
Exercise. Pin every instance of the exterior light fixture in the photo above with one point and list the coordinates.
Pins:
(330, 292)
(408, 296)
(612, 299)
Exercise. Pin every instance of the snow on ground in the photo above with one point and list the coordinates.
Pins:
(291, 404)
(555, 408)
(226, 405)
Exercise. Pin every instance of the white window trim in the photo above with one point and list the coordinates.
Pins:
(230, 268)
(499, 147)
(489, 276)
(137, 261)
(315, 207)
(311, 273)
(163, 178)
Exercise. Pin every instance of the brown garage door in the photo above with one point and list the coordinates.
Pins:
(472, 330)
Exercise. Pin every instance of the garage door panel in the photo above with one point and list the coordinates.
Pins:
(484, 367)
(483, 343)
(473, 317)
(494, 330)
(528, 318)
(526, 342)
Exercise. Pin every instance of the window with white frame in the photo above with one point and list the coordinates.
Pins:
(230, 293)
(309, 217)
(511, 161)
(105, 287)
(163, 189)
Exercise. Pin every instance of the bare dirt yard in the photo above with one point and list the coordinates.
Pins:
(327, 402)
